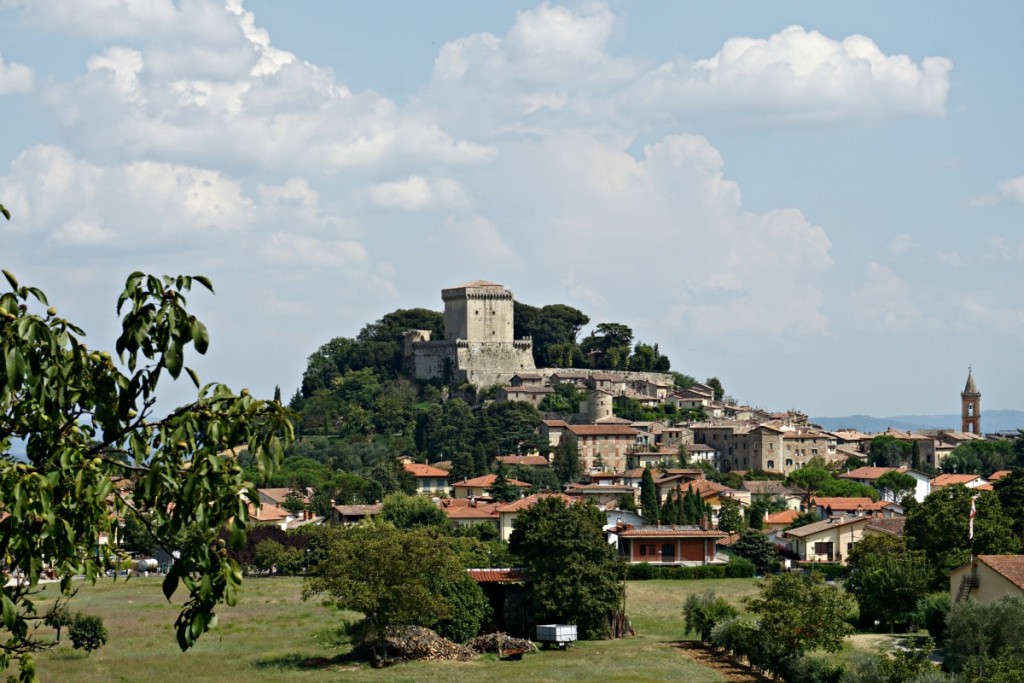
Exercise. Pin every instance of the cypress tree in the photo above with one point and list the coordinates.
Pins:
(648, 497)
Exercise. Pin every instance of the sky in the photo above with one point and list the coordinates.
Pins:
(819, 203)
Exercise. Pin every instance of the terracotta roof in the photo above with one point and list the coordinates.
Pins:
(996, 476)
(950, 479)
(556, 423)
(1010, 567)
(784, 517)
(528, 390)
(512, 575)
(279, 495)
(268, 513)
(525, 460)
(425, 470)
(970, 387)
(888, 525)
(602, 430)
(607, 488)
(486, 481)
(674, 532)
(530, 501)
(464, 508)
(869, 473)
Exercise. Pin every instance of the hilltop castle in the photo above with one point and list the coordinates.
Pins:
(478, 346)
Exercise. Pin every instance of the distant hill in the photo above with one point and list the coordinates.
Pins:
(991, 421)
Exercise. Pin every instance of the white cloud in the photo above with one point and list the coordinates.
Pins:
(1007, 191)
(949, 258)
(15, 77)
(800, 74)
(901, 244)
(416, 193)
(885, 302)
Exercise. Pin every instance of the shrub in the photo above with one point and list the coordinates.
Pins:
(934, 610)
(87, 632)
(642, 572)
(809, 669)
(739, 568)
(703, 612)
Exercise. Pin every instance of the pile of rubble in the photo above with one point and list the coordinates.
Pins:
(500, 643)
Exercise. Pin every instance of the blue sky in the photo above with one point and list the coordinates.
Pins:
(819, 203)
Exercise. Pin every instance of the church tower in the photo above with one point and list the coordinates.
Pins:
(970, 407)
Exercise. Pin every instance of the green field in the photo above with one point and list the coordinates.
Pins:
(272, 632)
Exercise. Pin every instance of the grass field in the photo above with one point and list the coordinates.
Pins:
(272, 632)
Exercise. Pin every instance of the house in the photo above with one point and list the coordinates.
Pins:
(507, 512)
(527, 379)
(353, 514)
(480, 487)
(469, 511)
(669, 545)
(602, 494)
(607, 444)
(529, 394)
(870, 475)
(643, 458)
(887, 526)
(700, 452)
(553, 430)
(829, 540)
(827, 507)
(971, 481)
(277, 496)
(429, 480)
(778, 521)
(987, 578)
(771, 488)
(505, 590)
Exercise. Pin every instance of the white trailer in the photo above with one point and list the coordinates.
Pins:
(562, 635)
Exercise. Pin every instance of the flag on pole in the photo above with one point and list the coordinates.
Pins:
(970, 525)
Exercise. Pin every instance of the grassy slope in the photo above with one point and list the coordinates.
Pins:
(271, 632)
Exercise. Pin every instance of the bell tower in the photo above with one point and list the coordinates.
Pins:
(970, 406)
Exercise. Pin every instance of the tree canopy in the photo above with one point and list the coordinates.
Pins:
(95, 451)
(575, 575)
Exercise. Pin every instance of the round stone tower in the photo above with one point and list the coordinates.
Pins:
(970, 406)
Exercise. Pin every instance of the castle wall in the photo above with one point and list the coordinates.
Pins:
(478, 314)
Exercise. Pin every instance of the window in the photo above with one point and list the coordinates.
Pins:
(814, 451)
(771, 446)
(789, 462)
(771, 464)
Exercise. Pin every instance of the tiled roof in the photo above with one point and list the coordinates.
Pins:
(602, 430)
(1011, 567)
(530, 501)
(996, 476)
(888, 525)
(268, 513)
(512, 575)
(464, 508)
(950, 479)
(870, 473)
(844, 503)
(556, 423)
(672, 532)
(810, 529)
(279, 494)
(525, 460)
(784, 517)
(420, 470)
(486, 482)
(359, 510)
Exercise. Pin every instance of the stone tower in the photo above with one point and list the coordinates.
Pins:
(970, 407)
(478, 312)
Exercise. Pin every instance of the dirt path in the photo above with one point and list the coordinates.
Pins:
(729, 668)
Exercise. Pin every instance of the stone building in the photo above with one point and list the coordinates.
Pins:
(478, 345)
(970, 407)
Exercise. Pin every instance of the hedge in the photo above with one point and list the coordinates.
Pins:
(737, 568)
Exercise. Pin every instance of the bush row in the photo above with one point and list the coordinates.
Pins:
(737, 568)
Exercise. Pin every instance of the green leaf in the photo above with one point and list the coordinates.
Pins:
(13, 281)
(200, 337)
(5, 212)
(171, 581)
(173, 359)
(10, 613)
(204, 281)
(193, 375)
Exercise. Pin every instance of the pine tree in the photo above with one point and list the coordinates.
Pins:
(502, 490)
(480, 462)
(648, 497)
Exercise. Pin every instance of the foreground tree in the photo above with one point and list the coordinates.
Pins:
(939, 527)
(797, 613)
(575, 575)
(887, 580)
(392, 576)
(86, 425)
